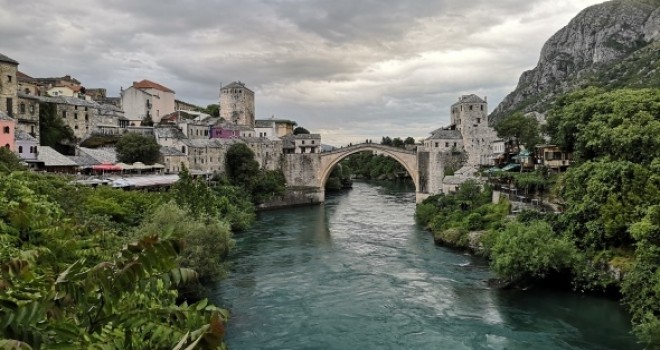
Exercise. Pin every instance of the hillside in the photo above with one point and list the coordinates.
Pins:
(613, 44)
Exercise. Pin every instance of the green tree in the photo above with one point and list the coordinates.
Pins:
(617, 125)
(53, 130)
(241, 167)
(147, 121)
(133, 148)
(9, 161)
(397, 142)
(213, 110)
(300, 131)
(386, 141)
(525, 130)
(409, 141)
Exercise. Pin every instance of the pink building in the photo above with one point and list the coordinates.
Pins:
(7, 130)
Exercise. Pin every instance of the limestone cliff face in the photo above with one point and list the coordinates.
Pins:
(596, 38)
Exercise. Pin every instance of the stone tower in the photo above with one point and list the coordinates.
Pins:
(470, 117)
(8, 86)
(237, 104)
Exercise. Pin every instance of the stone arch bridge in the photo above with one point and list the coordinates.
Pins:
(313, 170)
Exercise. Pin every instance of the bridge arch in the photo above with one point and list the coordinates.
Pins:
(408, 159)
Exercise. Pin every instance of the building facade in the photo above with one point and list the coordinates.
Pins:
(8, 85)
(237, 104)
(7, 131)
(147, 99)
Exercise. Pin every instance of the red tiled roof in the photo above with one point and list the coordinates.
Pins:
(148, 84)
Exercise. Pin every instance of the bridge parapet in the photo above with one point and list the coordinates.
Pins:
(369, 147)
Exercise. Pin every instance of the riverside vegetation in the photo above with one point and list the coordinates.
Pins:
(607, 238)
(106, 268)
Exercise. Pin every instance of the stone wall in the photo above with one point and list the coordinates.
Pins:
(302, 169)
(295, 196)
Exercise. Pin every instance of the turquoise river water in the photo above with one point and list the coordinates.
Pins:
(359, 273)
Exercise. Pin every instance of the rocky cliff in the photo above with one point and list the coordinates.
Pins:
(613, 44)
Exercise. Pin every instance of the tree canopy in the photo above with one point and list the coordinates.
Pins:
(525, 130)
(300, 130)
(133, 147)
(617, 125)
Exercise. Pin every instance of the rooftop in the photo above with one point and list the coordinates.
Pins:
(101, 155)
(6, 59)
(472, 98)
(5, 116)
(444, 134)
(148, 84)
(21, 135)
(171, 151)
(51, 157)
(236, 84)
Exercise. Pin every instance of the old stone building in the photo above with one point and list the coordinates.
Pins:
(273, 128)
(28, 85)
(87, 117)
(237, 104)
(8, 85)
(302, 143)
(28, 114)
(470, 116)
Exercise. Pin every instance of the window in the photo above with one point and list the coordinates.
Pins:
(454, 144)
(86, 117)
(479, 120)
(22, 107)
(9, 78)
(312, 142)
(446, 144)
(183, 149)
(437, 144)
(20, 149)
(482, 107)
(75, 107)
(75, 115)
(303, 142)
(27, 91)
(63, 114)
(32, 108)
(470, 107)
(85, 109)
(5, 130)
(76, 127)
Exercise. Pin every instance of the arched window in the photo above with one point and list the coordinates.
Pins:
(20, 149)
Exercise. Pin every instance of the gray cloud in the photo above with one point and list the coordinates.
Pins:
(352, 69)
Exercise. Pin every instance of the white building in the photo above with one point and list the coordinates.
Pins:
(147, 99)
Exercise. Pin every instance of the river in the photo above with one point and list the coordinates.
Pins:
(359, 273)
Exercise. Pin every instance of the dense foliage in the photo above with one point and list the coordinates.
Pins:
(53, 131)
(608, 235)
(134, 147)
(104, 268)
(523, 130)
(242, 170)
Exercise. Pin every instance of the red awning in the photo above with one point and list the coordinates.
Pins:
(107, 167)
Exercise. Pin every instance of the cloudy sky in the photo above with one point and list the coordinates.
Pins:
(350, 70)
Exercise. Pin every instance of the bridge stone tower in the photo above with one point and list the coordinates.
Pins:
(470, 116)
(237, 104)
